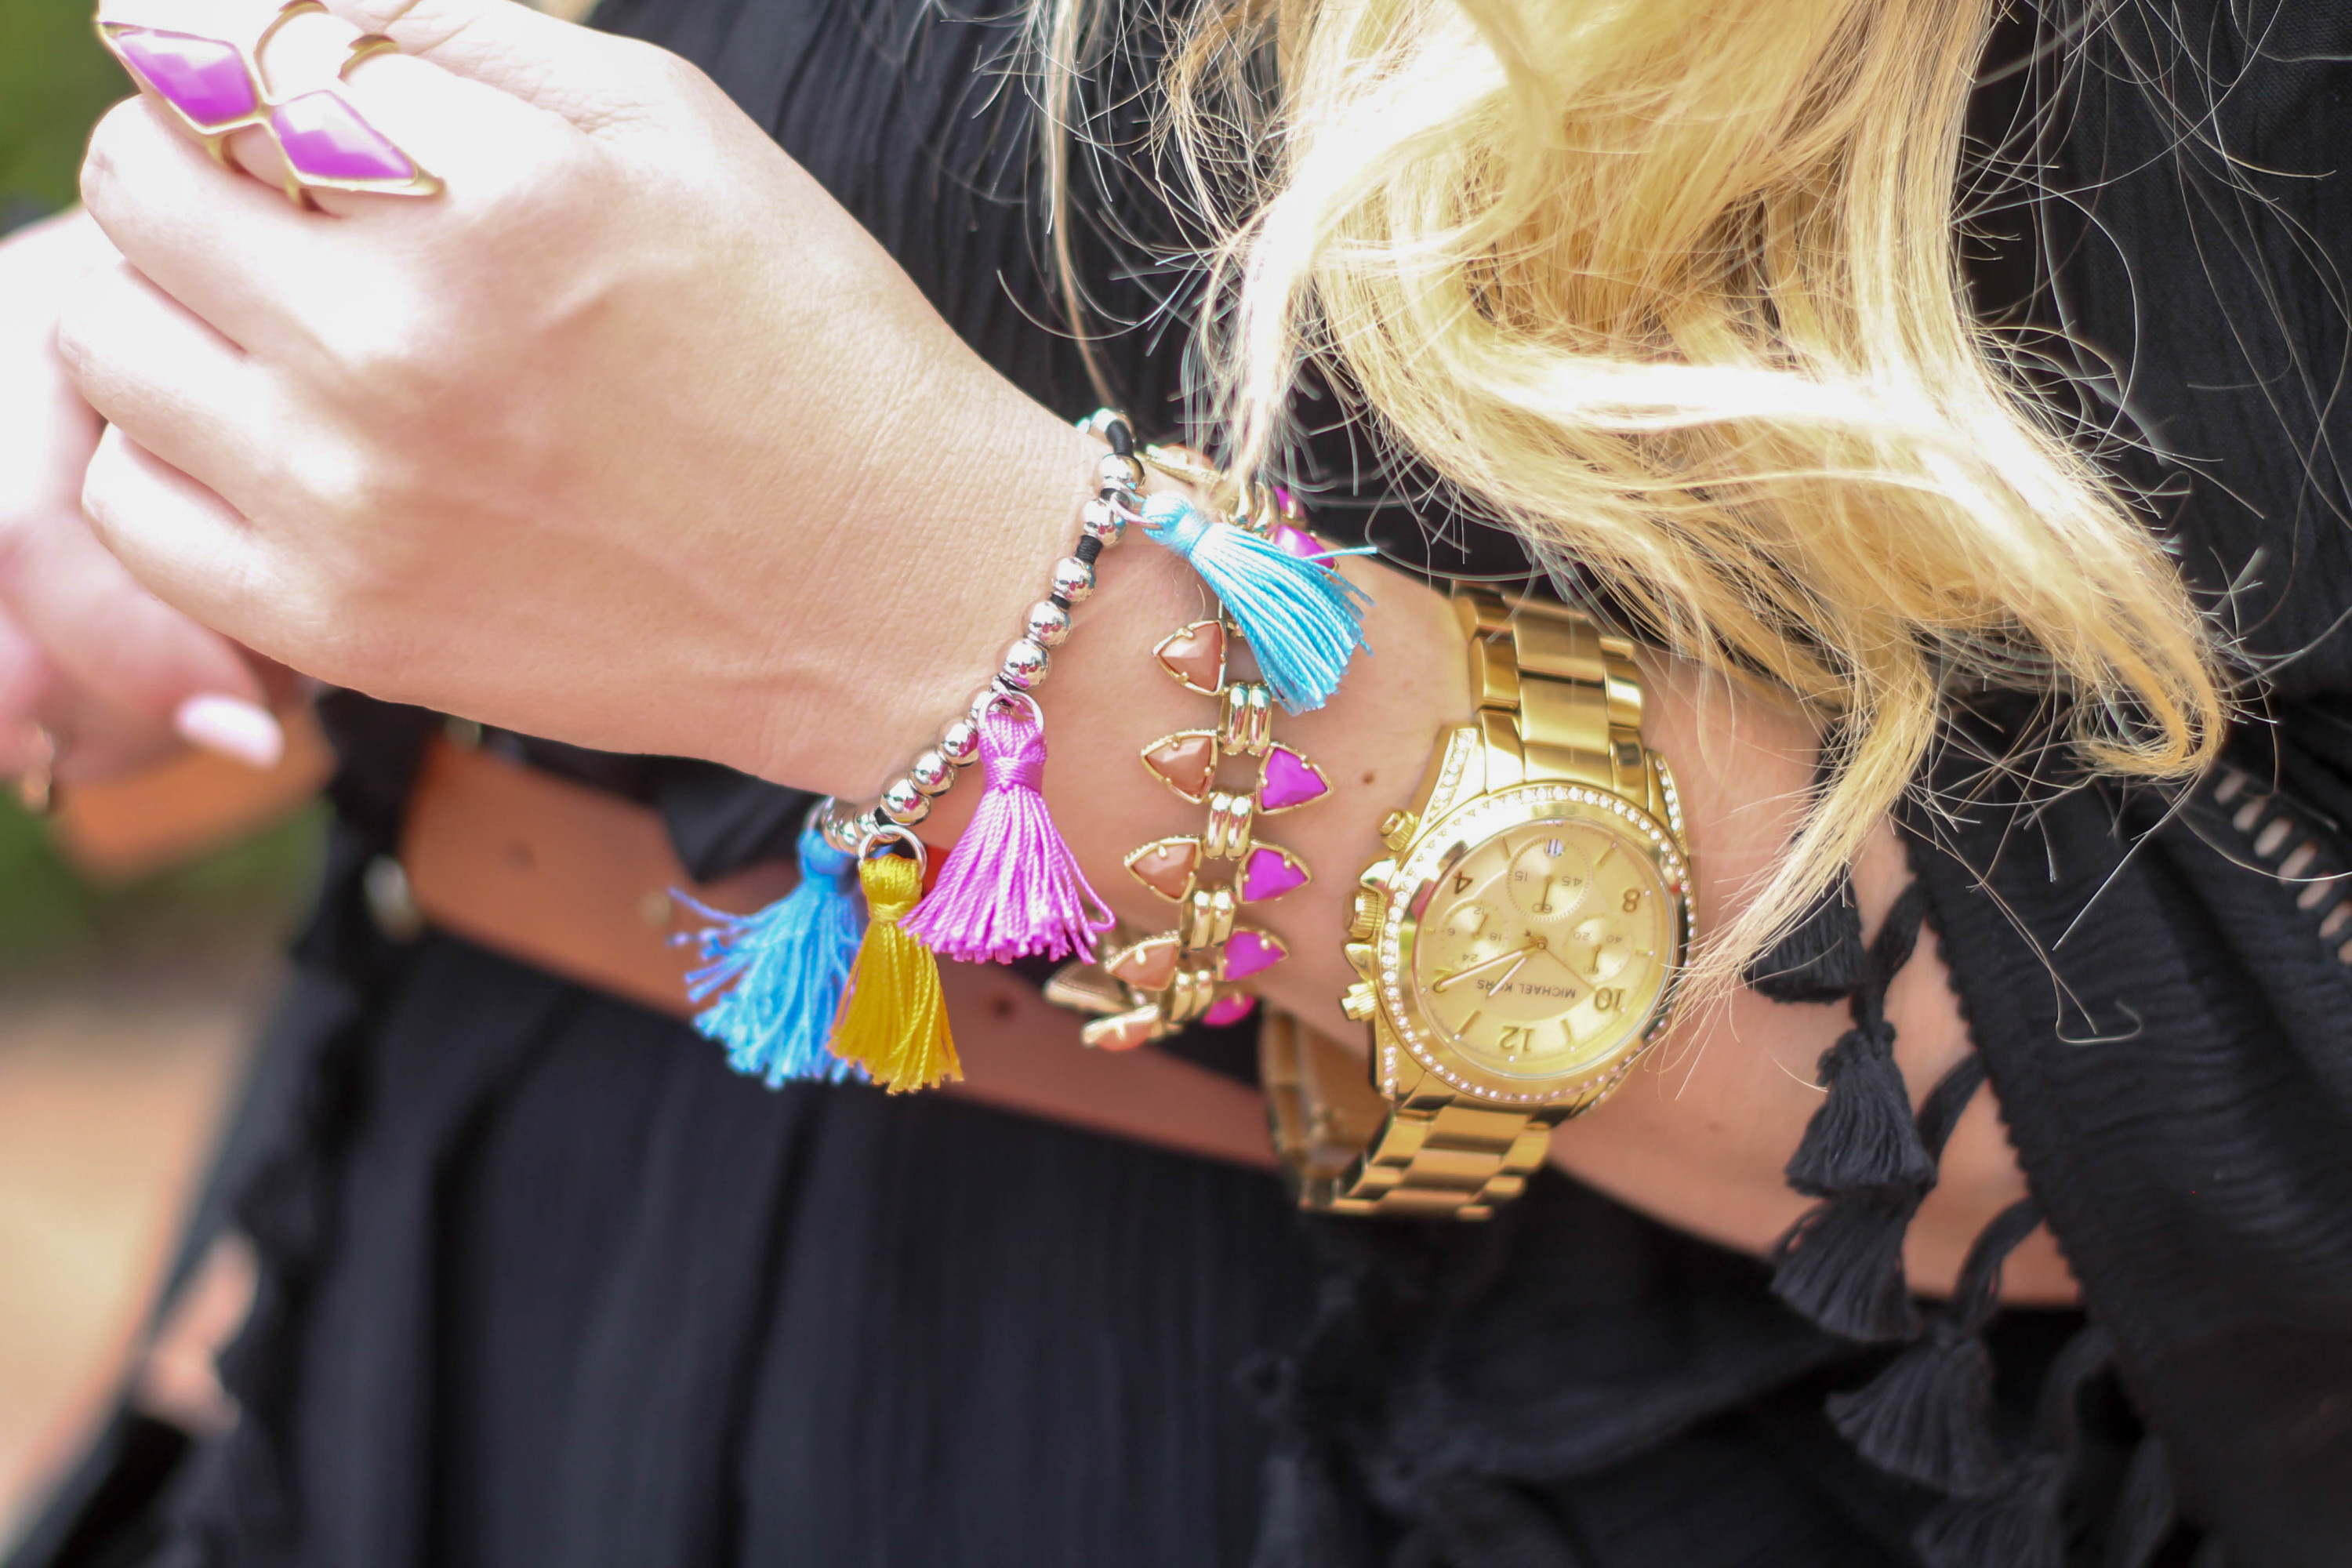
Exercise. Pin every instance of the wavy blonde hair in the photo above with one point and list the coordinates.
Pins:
(1671, 287)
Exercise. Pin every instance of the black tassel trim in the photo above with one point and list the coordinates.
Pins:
(1841, 1265)
(2018, 1523)
(2147, 1511)
(2015, 1526)
(1927, 1416)
(1863, 1135)
(1822, 959)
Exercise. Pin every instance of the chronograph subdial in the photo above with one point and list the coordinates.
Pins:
(1549, 878)
(1598, 947)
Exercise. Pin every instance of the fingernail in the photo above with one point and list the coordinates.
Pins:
(235, 729)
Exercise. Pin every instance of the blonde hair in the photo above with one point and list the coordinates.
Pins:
(1671, 287)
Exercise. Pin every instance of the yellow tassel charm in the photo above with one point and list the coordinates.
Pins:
(895, 1024)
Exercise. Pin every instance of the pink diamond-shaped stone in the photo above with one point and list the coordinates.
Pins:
(1228, 1010)
(1296, 540)
(1269, 873)
(1249, 953)
(1290, 780)
(325, 139)
(203, 79)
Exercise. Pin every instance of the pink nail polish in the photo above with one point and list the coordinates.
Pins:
(235, 728)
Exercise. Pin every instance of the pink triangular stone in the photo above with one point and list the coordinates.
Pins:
(203, 79)
(1269, 873)
(1228, 1010)
(1249, 953)
(1289, 780)
(325, 139)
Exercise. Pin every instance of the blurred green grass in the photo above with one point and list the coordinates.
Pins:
(55, 82)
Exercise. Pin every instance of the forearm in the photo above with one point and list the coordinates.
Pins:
(1699, 1135)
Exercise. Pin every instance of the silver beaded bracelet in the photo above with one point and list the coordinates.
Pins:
(1102, 522)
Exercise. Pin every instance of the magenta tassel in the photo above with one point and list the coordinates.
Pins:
(1012, 887)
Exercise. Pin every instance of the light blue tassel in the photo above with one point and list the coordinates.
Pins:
(783, 971)
(1303, 620)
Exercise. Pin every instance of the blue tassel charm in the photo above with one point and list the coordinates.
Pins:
(1303, 620)
(783, 971)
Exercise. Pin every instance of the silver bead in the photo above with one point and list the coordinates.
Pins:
(1025, 665)
(960, 742)
(839, 823)
(1049, 623)
(932, 774)
(1118, 471)
(905, 804)
(1100, 520)
(1073, 580)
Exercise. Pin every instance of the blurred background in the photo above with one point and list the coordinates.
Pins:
(129, 987)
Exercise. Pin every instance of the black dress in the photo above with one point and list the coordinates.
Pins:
(544, 1283)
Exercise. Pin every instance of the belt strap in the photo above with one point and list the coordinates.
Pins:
(578, 882)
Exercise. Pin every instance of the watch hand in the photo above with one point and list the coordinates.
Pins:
(1520, 952)
(1555, 955)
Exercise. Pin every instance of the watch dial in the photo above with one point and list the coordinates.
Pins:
(1544, 948)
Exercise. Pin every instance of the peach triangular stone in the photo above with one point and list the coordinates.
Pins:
(1195, 654)
(1149, 965)
(1123, 1032)
(1167, 867)
(1186, 762)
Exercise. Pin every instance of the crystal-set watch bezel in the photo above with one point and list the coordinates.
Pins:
(1402, 1023)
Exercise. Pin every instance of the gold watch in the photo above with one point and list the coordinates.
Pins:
(1518, 950)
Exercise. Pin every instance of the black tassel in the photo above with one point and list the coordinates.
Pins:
(2146, 1512)
(1822, 959)
(1841, 1265)
(2014, 1526)
(1863, 1135)
(1925, 1417)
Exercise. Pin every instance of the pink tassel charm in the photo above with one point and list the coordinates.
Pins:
(1012, 887)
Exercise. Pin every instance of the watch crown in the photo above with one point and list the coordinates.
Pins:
(1357, 1003)
(1367, 917)
(1396, 829)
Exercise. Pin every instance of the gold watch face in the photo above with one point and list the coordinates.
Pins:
(1533, 939)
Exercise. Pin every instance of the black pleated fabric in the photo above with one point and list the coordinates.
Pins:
(543, 1283)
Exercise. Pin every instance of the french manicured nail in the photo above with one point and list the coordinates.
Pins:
(235, 729)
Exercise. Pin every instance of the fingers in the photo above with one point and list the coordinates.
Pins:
(232, 252)
(547, 63)
(272, 278)
(46, 432)
(173, 385)
(190, 548)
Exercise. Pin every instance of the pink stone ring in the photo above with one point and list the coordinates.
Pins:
(216, 87)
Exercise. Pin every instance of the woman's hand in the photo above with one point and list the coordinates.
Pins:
(115, 676)
(632, 437)
(635, 438)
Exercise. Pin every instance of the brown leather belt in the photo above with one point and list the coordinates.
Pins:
(578, 882)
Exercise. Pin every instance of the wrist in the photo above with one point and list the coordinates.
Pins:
(948, 529)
